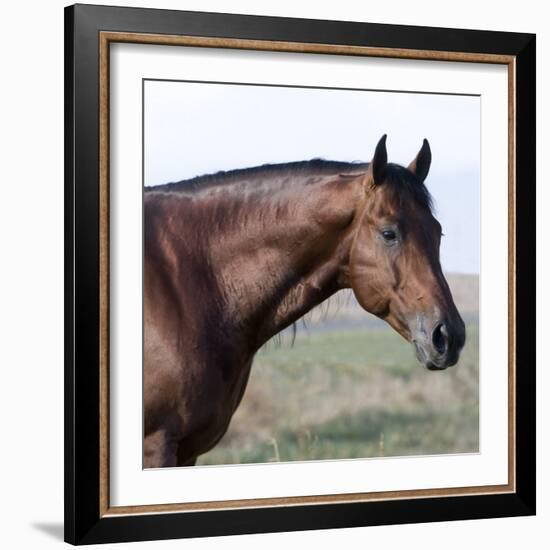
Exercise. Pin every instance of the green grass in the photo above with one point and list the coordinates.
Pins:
(352, 394)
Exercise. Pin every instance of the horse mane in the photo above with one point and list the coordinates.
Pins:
(397, 176)
(255, 173)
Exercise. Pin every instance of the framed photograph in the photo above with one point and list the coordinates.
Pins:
(300, 274)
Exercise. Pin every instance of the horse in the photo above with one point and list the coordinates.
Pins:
(233, 258)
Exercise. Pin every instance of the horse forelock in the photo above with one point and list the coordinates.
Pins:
(405, 184)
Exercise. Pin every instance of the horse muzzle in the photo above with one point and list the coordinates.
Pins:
(438, 343)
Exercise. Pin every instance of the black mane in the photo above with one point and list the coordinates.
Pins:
(222, 177)
(397, 176)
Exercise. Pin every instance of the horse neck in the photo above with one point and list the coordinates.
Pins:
(280, 256)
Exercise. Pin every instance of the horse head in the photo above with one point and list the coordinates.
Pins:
(395, 271)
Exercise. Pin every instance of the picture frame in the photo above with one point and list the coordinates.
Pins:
(90, 31)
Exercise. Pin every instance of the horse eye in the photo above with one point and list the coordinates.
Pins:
(389, 235)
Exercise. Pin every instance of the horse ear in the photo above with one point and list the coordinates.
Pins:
(421, 164)
(379, 162)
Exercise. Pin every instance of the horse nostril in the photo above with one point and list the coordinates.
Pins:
(440, 338)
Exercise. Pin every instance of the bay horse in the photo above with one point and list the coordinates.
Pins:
(233, 258)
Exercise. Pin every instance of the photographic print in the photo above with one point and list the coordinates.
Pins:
(299, 274)
(311, 263)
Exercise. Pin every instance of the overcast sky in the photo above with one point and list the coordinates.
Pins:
(196, 128)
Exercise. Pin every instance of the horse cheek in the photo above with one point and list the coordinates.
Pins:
(363, 269)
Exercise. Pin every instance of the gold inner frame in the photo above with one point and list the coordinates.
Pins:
(105, 39)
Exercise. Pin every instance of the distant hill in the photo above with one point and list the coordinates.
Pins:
(343, 311)
(465, 289)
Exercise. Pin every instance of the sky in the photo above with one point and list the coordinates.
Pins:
(192, 129)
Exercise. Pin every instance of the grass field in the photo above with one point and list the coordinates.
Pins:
(342, 392)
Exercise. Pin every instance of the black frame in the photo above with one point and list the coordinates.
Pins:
(83, 524)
